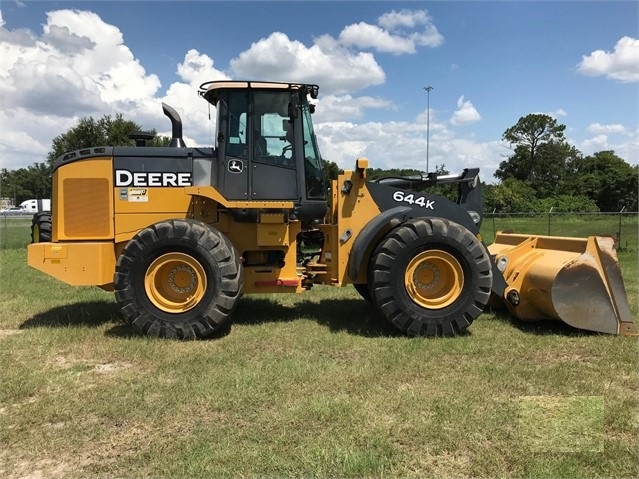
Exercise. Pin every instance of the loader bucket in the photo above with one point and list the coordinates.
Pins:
(574, 280)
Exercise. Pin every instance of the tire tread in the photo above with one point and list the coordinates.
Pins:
(385, 275)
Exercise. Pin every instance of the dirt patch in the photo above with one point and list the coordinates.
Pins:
(69, 362)
(124, 439)
(45, 469)
(29, 400)
(9, 332)
(111, 367)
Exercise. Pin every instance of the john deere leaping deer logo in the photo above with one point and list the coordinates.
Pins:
(235, 166)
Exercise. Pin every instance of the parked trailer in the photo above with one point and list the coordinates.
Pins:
(36, 206)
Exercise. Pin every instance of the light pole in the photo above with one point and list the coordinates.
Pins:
(428, 89)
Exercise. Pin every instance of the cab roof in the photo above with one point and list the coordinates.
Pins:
(211, 90)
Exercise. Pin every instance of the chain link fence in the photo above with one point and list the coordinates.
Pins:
(15, 231)
(623, 226)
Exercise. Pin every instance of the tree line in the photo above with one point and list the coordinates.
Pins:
(543, 171)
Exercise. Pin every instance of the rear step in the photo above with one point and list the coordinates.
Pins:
(574, 280)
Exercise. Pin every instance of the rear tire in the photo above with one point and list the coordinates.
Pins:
(41, 227)
(430, 277)
(178, 279)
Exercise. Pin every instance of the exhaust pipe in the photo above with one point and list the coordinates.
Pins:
(176, 127)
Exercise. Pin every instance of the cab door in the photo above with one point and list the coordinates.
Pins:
(273, 172)
(233, 146)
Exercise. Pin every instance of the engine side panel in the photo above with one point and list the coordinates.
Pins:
(82, 207)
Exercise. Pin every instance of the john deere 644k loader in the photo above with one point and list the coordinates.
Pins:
(181, 233)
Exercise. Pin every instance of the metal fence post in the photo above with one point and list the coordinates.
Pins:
(619, 230)
(549, 213)
(494, 230)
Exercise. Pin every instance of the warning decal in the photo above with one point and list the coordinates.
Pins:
(138, 195)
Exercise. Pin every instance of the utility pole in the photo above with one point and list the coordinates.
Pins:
(428, 90)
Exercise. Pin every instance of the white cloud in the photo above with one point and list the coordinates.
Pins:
(346, 107)
(363, 35)
(401, 144)
(390, 35)
(404, 19)
(598, 128)
(413, 19)
(465, 114)
(622, 140)
(622, 64)
(64, 41)
(198, 68)
(627, 146)
(76, 66)
(29, 141)
(326, 62)
(553, 114)
(596, 143)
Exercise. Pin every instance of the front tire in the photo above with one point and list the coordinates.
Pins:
(178, 279)
(430, 277)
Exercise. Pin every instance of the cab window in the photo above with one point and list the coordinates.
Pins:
(273, 130)
(236, 144)
(313, 168)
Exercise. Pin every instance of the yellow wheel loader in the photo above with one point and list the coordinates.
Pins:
(181, 233)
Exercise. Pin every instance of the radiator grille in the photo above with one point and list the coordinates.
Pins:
(86, 208)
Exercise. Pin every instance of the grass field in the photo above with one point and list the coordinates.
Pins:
(311, 385)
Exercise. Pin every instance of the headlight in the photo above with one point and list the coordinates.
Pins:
(475, 217)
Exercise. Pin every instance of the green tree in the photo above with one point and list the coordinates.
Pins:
(26, 183)
(331, 170)
(567, 204)
(511, 195)
(530, 132)
(606, 179)
(159, 140)
(552, 164)
(89, 132)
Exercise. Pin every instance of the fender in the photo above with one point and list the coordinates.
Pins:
(365, 241)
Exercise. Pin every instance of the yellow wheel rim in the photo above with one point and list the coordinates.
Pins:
(434, 279)
(175, 282)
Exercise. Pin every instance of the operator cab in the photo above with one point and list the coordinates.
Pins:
(265, 144)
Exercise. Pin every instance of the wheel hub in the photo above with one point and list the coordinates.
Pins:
(182, 279)
(426, 276)
(175, 282)
(434, 279)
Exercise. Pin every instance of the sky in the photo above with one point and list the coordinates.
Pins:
(488, 63)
